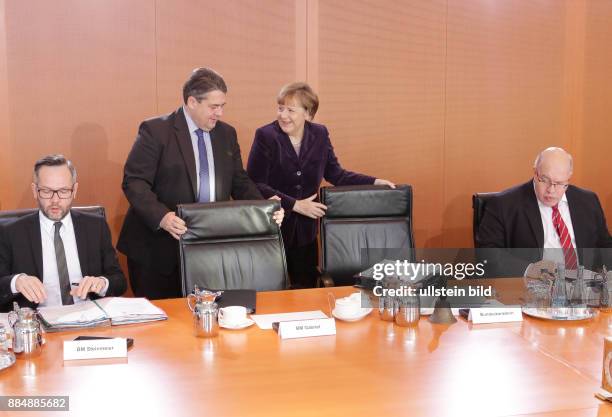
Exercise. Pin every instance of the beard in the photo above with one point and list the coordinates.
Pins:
(51, 215)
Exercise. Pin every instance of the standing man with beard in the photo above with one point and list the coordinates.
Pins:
(187, 156)
(57, 256)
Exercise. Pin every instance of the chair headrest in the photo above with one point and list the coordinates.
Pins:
(367, 201)
(480, 198)
(229, 219)
(11, 215)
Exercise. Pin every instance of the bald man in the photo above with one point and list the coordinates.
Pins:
(547, 214)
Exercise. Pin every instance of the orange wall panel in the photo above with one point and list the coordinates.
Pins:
(81, 75)
(381, 85)
(453, 97)
(595, 148)
(251, 43)
(504, 100)
(6, 185)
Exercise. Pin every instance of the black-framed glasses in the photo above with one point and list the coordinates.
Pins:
(47, 194)
(549, 184)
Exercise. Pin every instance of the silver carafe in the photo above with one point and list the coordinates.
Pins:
(559, 293)
(386, 308)
(28, 335)
(408, 309)
(606, 291)
(387, 303)
(577, 299)
(205, 312)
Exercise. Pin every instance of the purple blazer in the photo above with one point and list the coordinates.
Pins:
(276, 169)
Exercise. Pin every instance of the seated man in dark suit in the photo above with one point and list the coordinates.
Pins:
(546, 221)
(56, 256)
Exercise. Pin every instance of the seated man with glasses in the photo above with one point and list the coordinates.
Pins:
(547, 219)
(56, 256)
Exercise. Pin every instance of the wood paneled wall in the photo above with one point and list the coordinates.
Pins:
(453, 97)
(6, 178)
(595, 144)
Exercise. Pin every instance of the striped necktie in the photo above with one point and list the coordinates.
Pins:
(566, 240)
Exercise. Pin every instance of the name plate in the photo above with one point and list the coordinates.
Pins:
(95, 349)
(606, 377)
(306, 328)
(495, 315)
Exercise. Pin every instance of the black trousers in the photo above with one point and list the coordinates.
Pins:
(302, 265)
(150, 283)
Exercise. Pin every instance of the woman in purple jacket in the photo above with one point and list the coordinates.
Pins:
(289, 159)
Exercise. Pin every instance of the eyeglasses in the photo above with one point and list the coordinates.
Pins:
(549, 184)
(63, 193)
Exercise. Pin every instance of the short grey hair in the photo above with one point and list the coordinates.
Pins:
(201, 82)
(54, 161)
(538, 160)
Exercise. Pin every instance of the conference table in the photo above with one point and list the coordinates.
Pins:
(369, 368)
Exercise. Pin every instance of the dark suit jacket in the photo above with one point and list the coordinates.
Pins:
(512, 220)
(21, 252)
(277, 170)
(160, 173)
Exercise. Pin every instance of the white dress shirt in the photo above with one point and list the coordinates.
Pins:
(50, 273)
(196, 153)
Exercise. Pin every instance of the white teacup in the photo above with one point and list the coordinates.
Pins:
(232, 315)
(348, 306)
(355, 297)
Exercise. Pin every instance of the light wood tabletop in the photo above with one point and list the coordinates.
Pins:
(369, 368)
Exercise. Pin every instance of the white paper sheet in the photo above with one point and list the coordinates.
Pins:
(264, 321)
(118, 307)
(75, 313)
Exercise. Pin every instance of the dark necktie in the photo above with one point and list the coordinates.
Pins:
(204, 194)
(564, 237)
(62, 267)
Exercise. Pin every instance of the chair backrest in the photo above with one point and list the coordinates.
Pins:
(479, 202)
(359, 220)
(232, 245)
(8, 216)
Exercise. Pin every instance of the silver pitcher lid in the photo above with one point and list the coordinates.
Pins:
(206, 296)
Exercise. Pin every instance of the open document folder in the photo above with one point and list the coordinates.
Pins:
(102, 312)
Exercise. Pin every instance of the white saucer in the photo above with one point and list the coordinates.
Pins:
(355, 317)
(236, 326)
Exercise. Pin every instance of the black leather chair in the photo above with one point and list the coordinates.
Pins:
(359, 220)
(232, 245)
(8, 216)
(479, 202)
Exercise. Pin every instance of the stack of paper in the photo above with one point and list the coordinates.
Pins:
(80, 315)
(130, 310)
(102, 312)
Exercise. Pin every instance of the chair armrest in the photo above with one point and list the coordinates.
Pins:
(327, 281)
(324, 280)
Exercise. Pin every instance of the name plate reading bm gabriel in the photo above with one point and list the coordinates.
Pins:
(306, 328)
(95, 349)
